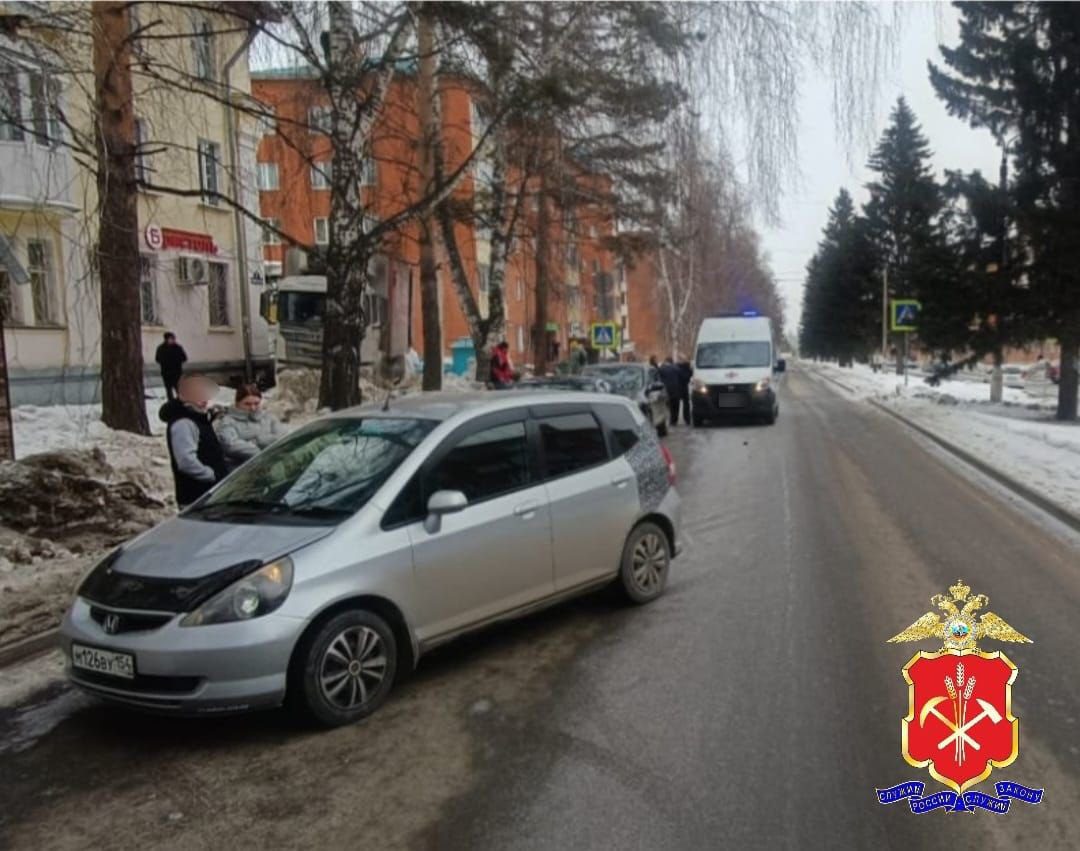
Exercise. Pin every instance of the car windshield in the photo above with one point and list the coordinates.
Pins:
(624, 380)
(300, 306)
(328, 470)
(734, 354)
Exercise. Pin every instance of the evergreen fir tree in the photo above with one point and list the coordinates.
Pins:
(1016, 71)
(902, 215)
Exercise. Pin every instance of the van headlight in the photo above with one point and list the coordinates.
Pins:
(251, 596)
(762, 385)
(698, 385)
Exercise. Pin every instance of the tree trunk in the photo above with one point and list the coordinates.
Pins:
(429, 282)
(7, 435)
(1068, 378)
(123, 405)
(429, 311)
(350, 249)
(996, 378)
(543, 282)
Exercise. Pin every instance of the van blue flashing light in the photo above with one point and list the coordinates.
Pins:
(750, 313)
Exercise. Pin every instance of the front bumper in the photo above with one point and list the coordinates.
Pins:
(216, 669)
(719, 400)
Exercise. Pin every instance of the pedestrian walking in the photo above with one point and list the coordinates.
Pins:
(198, 462)
(170, 356)
(246, 429)
(686, 372)
(502, 371)
(669, 376)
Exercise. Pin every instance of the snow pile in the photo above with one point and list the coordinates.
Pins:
(1017, 436)
(964, 386)
(63, 509)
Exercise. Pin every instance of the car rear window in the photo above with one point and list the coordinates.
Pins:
(571, 442)
(621, 426)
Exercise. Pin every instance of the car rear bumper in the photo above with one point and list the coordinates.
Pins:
(216, 669)
(722, 400)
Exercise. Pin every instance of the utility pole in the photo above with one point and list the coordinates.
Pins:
(997, 378)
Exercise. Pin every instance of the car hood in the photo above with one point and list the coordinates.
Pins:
(190, 549)
(728, 375)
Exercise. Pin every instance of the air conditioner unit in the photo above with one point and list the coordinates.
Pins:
(193, 271)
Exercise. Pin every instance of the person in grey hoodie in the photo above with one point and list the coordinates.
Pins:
(245, 429)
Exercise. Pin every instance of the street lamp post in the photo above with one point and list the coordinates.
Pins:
(997, 377)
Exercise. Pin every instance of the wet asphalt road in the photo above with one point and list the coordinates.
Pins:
(756, 705)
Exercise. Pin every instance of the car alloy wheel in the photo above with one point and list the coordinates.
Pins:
(343, 668)
(645, 563)
(352, 668)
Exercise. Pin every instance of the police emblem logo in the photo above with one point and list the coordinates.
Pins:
(959, 724)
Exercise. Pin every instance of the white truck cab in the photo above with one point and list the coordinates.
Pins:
(736, 368)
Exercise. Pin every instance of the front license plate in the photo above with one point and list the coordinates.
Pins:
(103, 661)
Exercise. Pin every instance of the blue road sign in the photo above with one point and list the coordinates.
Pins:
(905, 314)
(604, 335)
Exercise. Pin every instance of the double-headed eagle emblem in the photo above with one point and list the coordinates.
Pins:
(960, 629)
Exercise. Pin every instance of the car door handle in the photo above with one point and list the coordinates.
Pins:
(527, 509)
(619, 481)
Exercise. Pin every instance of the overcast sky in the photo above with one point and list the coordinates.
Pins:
(826, 164)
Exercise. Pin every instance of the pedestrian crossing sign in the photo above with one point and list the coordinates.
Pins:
(604, 335)
(905, 314)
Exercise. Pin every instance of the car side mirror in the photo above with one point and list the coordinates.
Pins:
(781, 365)
(656, 387)
(440, 503)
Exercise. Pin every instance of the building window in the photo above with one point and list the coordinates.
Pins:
(10, 104)
(369, 172)
(521, 338)
(483, 276)
(43, 111)
(39, 267)
(202, 42)
(320, 175)
(319, 119)
(270, 233)
(7, 301)
(143, 167)
(322, 231)
(148, 290)
(521, 289)
(267, 176)
(209, 159)
(267, 122)
(218, 295)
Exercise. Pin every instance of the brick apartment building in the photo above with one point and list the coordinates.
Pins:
(588, 283)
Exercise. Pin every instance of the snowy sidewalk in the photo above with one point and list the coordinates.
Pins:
(1018, 437)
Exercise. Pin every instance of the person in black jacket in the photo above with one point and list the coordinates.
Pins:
(170, 356)
(198, 461)
(669, 376)
(686, 372)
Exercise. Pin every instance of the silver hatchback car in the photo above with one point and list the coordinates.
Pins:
(329, 563)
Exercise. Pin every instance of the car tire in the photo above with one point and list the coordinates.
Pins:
(698, 420)
(343, 669)
(770, 418)
(646, 561)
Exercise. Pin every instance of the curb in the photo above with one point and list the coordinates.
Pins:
(1056, 511)
(19, 651)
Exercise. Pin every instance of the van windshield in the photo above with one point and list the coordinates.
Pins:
(734, 354)
(325, 471)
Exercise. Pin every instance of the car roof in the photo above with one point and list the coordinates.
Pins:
(444, 405)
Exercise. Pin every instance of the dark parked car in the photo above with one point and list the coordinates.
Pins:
(639, 383)
(584, 384)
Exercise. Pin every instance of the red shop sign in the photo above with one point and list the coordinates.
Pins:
(185, 240)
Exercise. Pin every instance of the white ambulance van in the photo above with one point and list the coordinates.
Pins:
(736, 368)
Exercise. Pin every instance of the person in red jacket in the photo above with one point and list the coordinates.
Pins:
(502, 371)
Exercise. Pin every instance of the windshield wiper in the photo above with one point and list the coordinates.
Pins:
(318, 511)
(241, 504)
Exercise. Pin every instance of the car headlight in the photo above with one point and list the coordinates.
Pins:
(698, 385)
(251, 596)
(762, 385)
